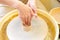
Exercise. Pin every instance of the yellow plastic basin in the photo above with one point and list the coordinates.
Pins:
(53, 30)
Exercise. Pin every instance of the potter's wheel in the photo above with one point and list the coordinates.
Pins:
(12, 29)
(15, 30)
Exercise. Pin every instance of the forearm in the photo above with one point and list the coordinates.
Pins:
(13, 3)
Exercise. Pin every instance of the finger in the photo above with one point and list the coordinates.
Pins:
(33, 7)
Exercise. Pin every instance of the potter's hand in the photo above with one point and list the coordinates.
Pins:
(26, 15)
(30, 11)
(25, 12)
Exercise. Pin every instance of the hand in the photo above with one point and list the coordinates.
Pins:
(30, 11)
(26, 15)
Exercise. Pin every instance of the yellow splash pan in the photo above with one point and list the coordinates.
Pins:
(53, 31)
(55, 12)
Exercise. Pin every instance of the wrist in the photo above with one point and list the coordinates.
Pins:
(19, 5)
